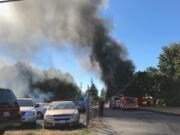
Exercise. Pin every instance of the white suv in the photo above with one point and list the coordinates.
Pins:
(28, 112)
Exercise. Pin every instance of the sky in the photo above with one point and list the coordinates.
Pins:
(142, 26)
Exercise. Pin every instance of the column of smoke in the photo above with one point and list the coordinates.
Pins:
(115, 67)
(74, 23)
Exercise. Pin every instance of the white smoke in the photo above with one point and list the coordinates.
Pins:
(28, 26)
(20, 76)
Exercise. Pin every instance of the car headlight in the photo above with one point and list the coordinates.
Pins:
(75, 116)
(48, 117)
(30, 113)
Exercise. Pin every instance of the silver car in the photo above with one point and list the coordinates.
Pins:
(61, 113)
(28, 112)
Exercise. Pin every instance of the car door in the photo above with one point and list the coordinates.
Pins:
(9, 108)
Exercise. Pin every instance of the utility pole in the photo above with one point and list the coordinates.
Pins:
(87, 108)
(81, 88)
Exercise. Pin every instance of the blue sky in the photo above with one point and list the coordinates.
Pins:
(143, 26)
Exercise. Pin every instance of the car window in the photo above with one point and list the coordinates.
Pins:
(62, 105)
(7, 96)
(25, 103)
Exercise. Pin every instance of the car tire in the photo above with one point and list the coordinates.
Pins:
(39, 115)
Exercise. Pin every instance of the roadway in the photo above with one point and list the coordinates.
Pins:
(116, 122)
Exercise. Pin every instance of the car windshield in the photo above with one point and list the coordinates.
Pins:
(62, 105)
(25, 103)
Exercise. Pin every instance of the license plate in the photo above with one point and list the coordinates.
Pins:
(6, 114)
(62, 121)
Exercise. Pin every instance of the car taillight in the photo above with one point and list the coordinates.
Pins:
(17, 108)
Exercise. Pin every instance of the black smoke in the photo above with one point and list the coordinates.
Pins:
(115, 67)
(29, 24)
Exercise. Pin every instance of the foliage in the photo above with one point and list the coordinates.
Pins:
(121, 77)
(169, 61)
(138, 85)
(169, 66)
(161, 83)
(61, 90)
(93, 91)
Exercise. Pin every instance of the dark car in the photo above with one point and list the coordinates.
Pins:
(9, 110)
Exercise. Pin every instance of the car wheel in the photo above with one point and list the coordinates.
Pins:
(39, 115)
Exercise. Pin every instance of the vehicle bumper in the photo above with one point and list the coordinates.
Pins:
(52, 123)
(28, 119)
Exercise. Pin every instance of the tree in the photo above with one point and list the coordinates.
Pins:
(152, 69)
(121, 76)
(138, 86)
(93, 92)
(155, 84)
(169, 60)
(144, 84)
(169, 65)
(61, 90)
(162, 83)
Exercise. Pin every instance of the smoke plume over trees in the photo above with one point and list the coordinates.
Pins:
(78, 23)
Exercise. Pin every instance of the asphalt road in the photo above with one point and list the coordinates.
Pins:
(117, 122)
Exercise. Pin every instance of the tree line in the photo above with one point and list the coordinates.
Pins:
(161, 83)
(61, 90)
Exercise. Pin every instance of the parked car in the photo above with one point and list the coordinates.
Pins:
(41, 108)
(28, 112)
(9, 110)
(61, 113)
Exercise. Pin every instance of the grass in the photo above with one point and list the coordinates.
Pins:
(49, 132)
(81, 130)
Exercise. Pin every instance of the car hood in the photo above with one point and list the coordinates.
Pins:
(61, 112)
(26, 108)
